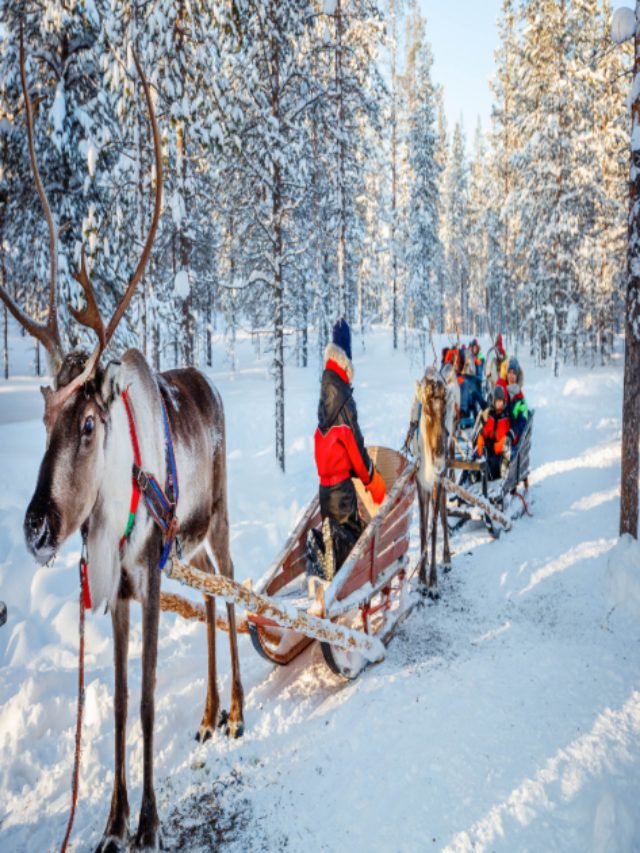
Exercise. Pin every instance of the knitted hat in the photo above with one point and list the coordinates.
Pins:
(498, 393)
(342, 336)
(512, 364)
(474, 343)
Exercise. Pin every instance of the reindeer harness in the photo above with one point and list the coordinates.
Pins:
(161, 504)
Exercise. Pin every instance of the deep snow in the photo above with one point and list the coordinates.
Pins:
(506, 716)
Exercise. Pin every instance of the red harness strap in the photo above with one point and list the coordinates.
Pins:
(135, 496)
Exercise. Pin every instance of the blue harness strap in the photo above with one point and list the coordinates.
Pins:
(161, 504)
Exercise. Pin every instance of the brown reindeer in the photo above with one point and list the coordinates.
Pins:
(433, 413)
(85, 479)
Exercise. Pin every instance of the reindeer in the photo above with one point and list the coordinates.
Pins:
(433, 419)
(85, 480)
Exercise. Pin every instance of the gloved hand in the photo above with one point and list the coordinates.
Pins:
(377, 488)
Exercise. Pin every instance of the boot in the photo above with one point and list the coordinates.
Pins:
(506, 459)
(315, 554)
(329, 560)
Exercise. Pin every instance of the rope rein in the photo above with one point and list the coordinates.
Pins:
(85, 603)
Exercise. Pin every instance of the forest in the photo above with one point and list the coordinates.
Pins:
(310, 173)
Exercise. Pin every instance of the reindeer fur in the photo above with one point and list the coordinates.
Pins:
(439, 396)
(89, 477)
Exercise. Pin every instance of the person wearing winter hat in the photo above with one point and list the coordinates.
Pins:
(496, 434)
(518, 405)
(478, 357)
(340, 454)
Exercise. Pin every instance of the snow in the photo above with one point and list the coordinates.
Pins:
(506, 716)
(623, 25)
(624, 575)
(58, 111)
(92, 158)
(182, 286)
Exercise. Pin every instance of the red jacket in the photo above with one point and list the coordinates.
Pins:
(496, 428)
(339, 446)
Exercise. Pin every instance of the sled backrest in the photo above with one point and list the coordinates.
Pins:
(390, 465)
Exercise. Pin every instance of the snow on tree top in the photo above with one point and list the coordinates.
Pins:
(623, 25)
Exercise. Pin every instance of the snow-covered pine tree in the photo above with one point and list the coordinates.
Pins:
(502, 274)
(424, 255)
(455, 215)
(477, 233)
(73, 128)
(269, 89)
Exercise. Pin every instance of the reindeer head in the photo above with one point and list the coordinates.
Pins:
(77, 412)
(432, 393)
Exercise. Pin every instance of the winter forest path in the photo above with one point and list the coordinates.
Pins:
(505, 717)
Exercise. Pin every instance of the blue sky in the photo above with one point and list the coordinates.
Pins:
(464, 36)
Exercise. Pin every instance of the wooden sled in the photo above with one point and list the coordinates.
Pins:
(492, 498)
(368, 594)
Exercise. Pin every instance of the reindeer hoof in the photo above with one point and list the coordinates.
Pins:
(204, 734)
(433, 593)
(446, 568)
(422, 588)
(234, 729)
(109, 844)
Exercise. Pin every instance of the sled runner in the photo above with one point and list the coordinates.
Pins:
(497, 501)
(369, 592)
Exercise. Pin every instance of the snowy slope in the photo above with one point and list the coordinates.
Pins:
(506, 716)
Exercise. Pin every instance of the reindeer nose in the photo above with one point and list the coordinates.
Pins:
(38, 536)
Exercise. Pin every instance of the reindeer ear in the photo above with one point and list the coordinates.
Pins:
(113, 383)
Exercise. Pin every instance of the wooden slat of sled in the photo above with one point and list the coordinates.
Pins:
(171, 602)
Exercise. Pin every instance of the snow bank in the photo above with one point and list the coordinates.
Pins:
(623, 586)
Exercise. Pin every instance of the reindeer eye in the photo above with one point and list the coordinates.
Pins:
(89, 426)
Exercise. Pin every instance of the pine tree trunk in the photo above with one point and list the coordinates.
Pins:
(209, 336)
(6, 339)
(342, 195)
(140, 223)
(394, 259)
(3, 282)
(277, 203)
(631, 397)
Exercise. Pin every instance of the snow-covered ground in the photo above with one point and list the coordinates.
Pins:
(506, 716)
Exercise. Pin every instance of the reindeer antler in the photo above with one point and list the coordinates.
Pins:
(47, 333)
(90, 316)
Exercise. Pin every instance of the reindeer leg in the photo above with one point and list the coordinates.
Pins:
(219, 540)
(148, 835)
(446, 556)
(235, 723)
(116, 835)
(212, 705)
(433, 574)
(423, 506)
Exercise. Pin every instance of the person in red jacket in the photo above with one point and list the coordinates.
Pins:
(340, 455)
(496, 433)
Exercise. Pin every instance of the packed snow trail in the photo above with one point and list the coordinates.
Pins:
(506, 716)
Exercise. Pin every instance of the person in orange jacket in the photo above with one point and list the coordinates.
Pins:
(496, 434)
(340, 454)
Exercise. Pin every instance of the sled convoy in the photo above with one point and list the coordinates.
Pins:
(370, 596)
(111, 430)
